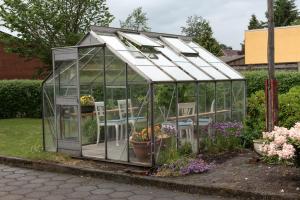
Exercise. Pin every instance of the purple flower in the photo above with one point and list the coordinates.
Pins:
(195, 166)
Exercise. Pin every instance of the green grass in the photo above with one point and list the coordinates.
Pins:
(23, 138)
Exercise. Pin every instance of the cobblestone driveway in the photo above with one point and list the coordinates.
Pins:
(25, 184)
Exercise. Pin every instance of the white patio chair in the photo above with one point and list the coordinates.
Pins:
(205, 121)
(186, 109)
(123, 112)
(99, 108)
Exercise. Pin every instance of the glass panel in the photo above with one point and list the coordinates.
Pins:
(238, 101)
(68, 122)
(206, 112)
(223, 101)
(154, 73)
(91, 65)
(116, 132)
(171, 54)
(178, 44)
(66, 78)
(140, 40)
(207, 56)
(165, 122)
(177, 73)
(133, 60)
(187, 116)
(214, 73)
(162, 61)
(198, 61)
(113, 41)
(139, 112)
(194, 71)
(227, 70)
(48, 115)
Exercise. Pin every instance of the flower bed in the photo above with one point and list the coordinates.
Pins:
(184, 166)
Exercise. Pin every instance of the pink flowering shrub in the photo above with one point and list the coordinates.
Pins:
(282, 145)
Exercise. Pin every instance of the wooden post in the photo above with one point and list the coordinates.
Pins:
(271, 85)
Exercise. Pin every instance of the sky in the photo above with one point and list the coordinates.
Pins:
(228, 18)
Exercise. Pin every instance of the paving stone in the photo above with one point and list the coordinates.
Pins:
(54, 183)
(31, 185)
(121, 194)
(15, 176)
(13, 197)
(62, 191)
(37, 194)
(8, 188)
(139, 197)
(85, 188)
(60, 178)
(22, 191)
(99, 197)
(38, 185)
(47, 188)
(27, 178)
(102, 191)
(10, 169)
(54, 197)
(78, 194)
(3, 193)
(16, 183)
(39, 180)
(69, 185)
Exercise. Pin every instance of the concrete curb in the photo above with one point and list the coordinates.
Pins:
(123, 177)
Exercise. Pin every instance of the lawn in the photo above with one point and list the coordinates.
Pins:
(23, 138)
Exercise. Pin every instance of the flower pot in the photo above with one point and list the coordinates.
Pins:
(258, 144)
(142, 150)
(87, 109)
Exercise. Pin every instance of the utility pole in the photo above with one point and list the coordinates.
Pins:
(271, 83)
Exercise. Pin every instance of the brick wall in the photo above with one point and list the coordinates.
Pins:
(13, 66)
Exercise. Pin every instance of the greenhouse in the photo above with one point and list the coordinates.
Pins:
(129, 97)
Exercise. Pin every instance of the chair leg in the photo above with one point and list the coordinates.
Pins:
(98, 134)
(121, 126)
(117, 135)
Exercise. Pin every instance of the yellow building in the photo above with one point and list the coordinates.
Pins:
(287, 45)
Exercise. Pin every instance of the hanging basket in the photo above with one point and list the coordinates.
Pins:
(87, 109)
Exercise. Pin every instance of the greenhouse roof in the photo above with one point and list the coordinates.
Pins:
(160, 57)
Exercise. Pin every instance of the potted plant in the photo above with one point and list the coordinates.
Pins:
(87, 103)
(141, 141)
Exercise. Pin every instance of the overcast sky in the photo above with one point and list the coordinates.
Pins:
(228, 18)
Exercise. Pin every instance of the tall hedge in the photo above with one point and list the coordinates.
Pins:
(20, 98)
(256, 81)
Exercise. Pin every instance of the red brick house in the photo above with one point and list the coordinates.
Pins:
(13, 66)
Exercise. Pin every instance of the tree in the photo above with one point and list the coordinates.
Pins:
(224, 46)
(285, 12)
(42, 25)
(137, 20)
(254, 23)
(199, 29)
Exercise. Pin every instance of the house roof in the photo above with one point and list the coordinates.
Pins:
(228, 59)
(169, 57)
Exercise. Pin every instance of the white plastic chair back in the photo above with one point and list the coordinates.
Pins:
(122, 108)
(185, 109)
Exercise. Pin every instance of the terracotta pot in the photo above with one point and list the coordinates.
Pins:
(142, 150)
